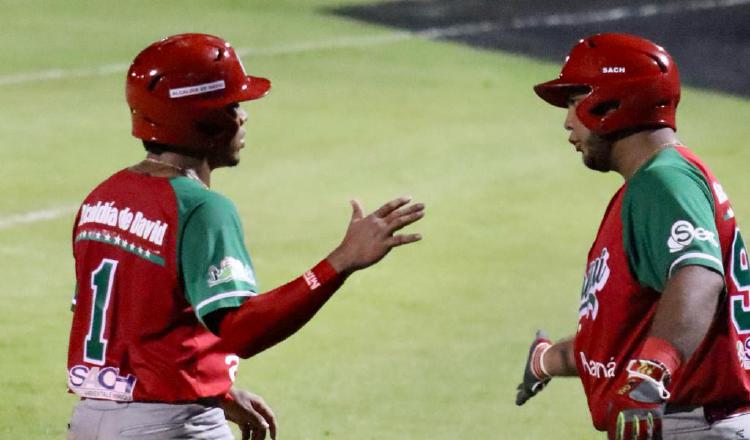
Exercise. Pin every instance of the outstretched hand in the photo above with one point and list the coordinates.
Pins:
(369, 238)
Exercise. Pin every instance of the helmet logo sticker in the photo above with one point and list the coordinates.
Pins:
(613, 69)
(199, 89)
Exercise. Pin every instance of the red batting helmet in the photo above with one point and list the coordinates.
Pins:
(631, 76)
(178, 89)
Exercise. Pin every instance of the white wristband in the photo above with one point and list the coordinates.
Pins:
(541, 360)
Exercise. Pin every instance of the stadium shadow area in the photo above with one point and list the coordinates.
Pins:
(709, 39)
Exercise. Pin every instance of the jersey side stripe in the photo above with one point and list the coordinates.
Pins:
(219, 297)
(694, 255)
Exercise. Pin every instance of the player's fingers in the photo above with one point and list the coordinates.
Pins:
(256, 422)
(620, 427)
(522, 396)
(408, 209)
(357, 211)
(246, 431)
(405, 211)
(401, 239)
(267, 413)
(404, 220)
(657, 427)
(391, 206)
(635, 427)
(259, 432)
(272, 427)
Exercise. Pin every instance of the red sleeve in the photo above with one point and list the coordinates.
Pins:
(267, 319)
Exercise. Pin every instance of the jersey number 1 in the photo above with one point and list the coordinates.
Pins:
(102, 280)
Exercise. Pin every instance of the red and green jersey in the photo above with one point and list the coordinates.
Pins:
(671, 213)
(154, 256)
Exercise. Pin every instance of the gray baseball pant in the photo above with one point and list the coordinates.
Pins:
(692, 425)
(107, 420)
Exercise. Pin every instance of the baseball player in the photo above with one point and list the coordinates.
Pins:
(663, 339)
(166, 300)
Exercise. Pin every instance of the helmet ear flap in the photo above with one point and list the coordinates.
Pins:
(605, 107)
(643, 105)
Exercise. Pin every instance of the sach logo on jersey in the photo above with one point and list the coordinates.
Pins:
(101, 383)
(683, 233)
(594, 281)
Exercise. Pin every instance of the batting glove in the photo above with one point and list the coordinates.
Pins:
(637, 405)
(535, 377)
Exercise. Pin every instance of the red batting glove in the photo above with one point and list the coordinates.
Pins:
(637, 405)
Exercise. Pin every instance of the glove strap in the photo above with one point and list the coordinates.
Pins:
(661, 351)
(657, 361)
(653, 372)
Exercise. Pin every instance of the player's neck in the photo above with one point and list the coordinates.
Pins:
(180, 164)
(631, 152)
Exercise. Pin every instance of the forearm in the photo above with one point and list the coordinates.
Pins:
(559, 359)
(267, 319)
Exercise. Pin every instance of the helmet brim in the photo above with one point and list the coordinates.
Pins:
(557, 92)
(254, 87)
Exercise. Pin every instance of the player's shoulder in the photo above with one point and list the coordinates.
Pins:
(668, 172)
(111, 186)
(193, 196)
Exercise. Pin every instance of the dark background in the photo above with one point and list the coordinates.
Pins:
(709, 39)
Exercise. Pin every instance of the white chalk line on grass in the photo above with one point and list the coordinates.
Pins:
(9, 221)
(536, 21)
(530, 22)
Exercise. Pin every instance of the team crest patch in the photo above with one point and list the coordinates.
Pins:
(594, 281)
(743, 353)
(230, 269)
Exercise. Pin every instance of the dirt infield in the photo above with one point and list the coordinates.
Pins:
(709, 39)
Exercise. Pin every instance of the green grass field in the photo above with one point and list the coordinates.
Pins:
(429, 344)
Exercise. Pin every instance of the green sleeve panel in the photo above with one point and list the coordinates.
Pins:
(215, 267)
(668, 220)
